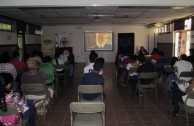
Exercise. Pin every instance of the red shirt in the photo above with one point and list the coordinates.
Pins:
(155, 57)
(18, 64)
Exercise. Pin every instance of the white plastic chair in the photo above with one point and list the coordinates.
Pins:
(87, 113)
(90, 89)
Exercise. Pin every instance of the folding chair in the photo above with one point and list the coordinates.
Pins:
(90, 89)
(87, 113)
(58, 75)
(29, 91)
(187, 74)
(11, 110)
(188, 105)
(147, 87)
(131, 70)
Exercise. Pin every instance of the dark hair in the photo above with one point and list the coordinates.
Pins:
(173, 60)
(133, 57)
(15, 54)
(5, 79)
(46, 59)
(4, 58)
(161, 53)
(99, 63)
(141, 58)
(92, 57)
(183, 57)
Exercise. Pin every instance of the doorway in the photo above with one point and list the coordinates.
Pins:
(126, 42)
(20, 38)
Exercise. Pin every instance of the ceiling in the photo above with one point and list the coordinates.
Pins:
(98, 15)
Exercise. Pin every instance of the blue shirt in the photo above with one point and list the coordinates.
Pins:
(92, 79)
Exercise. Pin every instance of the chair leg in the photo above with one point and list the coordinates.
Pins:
(187, 118)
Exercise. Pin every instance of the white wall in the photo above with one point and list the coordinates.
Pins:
(32, 39)
(8, 38)
(77, 38)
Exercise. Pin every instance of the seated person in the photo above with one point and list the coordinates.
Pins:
(179, 96)
(161, 62)
(142, 51)
(146, 66)
(155, 55)
(94, 78)
(19, 65)
(183, 65)
(47, 68)
(89, 68)
(8, 97)
(92, 53)
(132, 76)
(34, 76)
(6, 67)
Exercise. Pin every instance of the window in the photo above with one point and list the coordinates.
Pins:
(6, 23)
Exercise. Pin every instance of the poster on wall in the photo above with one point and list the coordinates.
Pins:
(48, 45)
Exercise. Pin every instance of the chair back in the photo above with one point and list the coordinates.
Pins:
(87, 107)
(133, 70)
(187, 74)
(87, 113)
(11, 110)
(90, 89)
(148, 75)
(33, 89)
(190, 96)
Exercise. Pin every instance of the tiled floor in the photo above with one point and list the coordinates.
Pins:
(122, 108)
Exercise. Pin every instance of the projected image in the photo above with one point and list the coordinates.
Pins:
(98, 41)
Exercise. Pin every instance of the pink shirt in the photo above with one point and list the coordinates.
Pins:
(18, 64)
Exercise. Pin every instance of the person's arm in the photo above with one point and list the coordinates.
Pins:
(190, 88)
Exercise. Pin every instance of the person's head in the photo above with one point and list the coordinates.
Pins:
(183, 57)
(46, 59)
(155, 51)
(32, 63)
(133, 58)
(161, 53)
(173, 60)
(34, 53)
(16, 54)
(40, 54)
(141, 59)
(191, 51)
(142, 48)
(92, 57)
(66, 52)
(99, 64)
(4, 58)
(6, 80)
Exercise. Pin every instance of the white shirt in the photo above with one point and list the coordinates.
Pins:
(63, 57)
(130, 66)
(89, 68)
(183, 65)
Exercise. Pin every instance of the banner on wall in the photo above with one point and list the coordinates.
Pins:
(48, 45)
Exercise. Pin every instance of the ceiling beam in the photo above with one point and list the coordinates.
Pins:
(62, 3)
